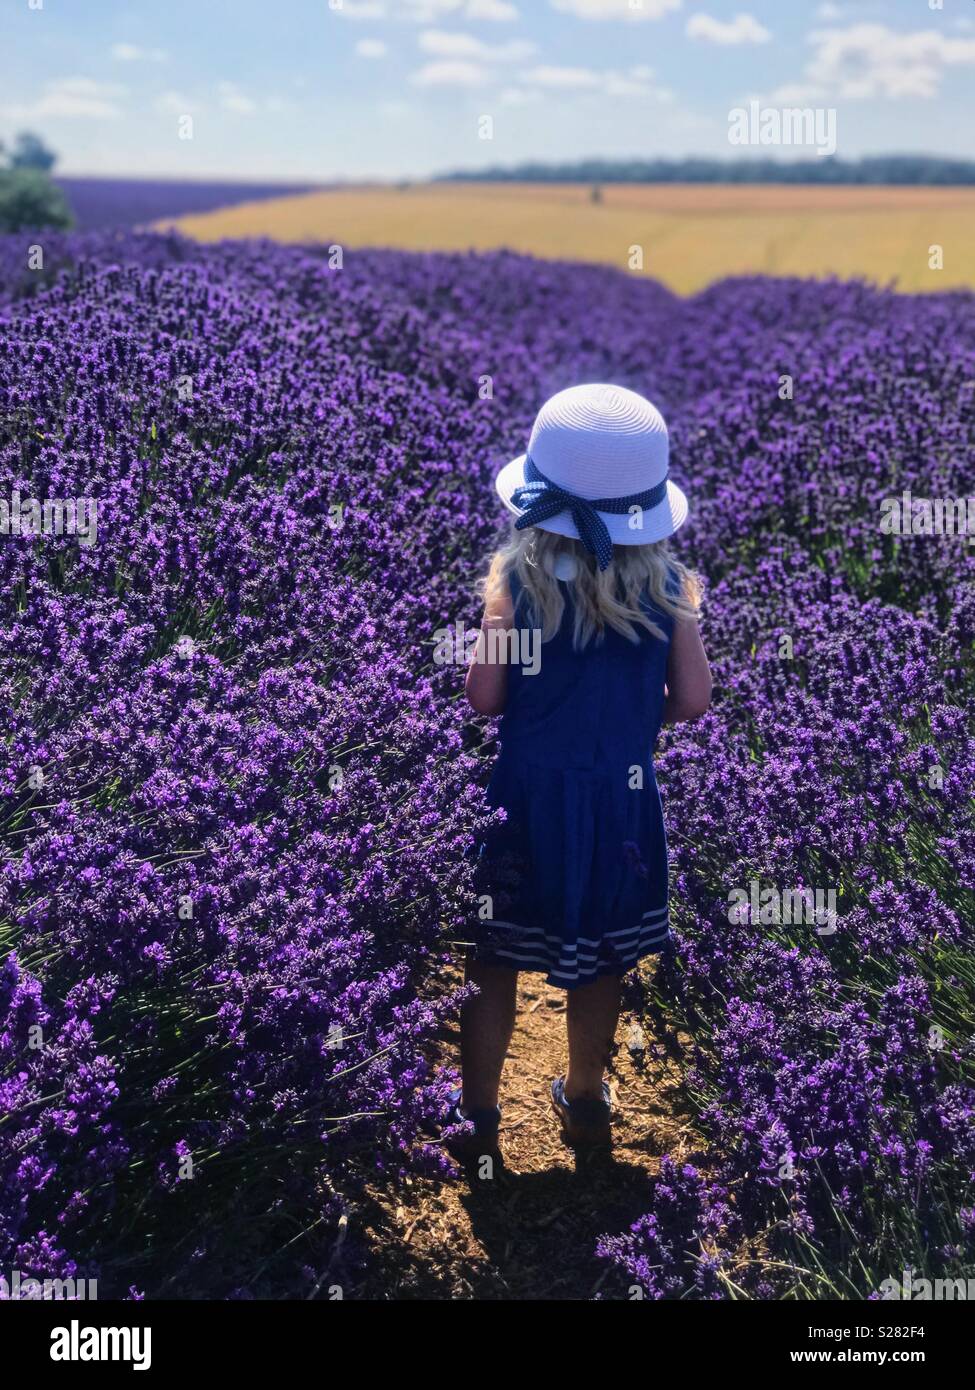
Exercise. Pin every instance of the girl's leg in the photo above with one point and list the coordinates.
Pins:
(486, 1025)
(592, 1015)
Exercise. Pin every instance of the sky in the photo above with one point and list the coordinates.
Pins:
(321, 90)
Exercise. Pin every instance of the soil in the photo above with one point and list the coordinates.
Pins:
(529, 1231)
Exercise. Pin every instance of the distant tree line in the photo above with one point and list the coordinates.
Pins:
(874, 169)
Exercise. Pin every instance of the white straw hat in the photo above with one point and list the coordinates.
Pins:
(596, 444)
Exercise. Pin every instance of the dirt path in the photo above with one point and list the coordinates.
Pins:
(530, 1232)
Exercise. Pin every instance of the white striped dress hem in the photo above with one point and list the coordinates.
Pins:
(532, 950)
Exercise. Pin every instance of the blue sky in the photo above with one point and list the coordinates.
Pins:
(325, 89)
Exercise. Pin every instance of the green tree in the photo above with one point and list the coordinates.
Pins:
(28, 198)
(30, 152)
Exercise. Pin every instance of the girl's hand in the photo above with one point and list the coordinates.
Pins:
(487, 679)
(687, 693)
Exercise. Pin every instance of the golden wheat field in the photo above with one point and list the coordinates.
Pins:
(690, 234)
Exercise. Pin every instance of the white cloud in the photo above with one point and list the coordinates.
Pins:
(428, 11)
(176, 104)
(500, 11)
(744, 28)
(620, 84)
(631, 82)
(362, 9)
(445, 45)
(233, 99)
(130, 53)
(616, 9)
(871, 60)
(75, 97)
(547, 76)
(828, 11)
(451, 73)
(466, 61)
(518, 96)
(371, 48)
(793, 94)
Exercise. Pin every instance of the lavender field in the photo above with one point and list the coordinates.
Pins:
(97, 203)
(239, 792)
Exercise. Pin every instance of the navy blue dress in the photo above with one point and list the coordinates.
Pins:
(574, 883)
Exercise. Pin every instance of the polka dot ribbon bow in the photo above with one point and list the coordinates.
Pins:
(542, 499)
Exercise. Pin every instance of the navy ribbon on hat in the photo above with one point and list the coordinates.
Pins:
(542, 499)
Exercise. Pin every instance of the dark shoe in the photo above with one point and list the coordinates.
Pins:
(479, 1137)
(585, 1123)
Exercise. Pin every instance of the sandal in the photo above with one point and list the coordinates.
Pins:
(479, 1137)
(585, 1123)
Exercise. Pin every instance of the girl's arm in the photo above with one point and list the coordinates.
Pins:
(688, 689)
(487, 681)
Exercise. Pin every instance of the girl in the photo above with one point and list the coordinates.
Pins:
(575, 880)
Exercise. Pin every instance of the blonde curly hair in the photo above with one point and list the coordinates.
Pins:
(601, 598)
